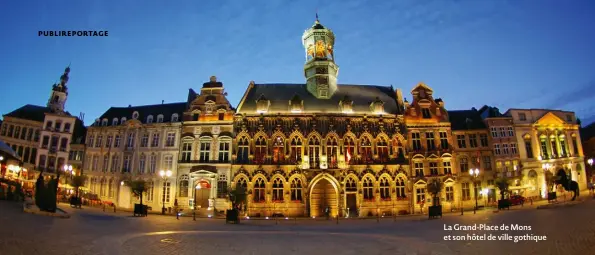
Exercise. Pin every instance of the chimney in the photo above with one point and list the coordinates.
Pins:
(129, 105)
(162, 101)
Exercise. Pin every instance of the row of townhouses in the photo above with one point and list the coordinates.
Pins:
(298, 149)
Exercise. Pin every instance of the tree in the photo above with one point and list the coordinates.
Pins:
(502, 184)
(434, 188)
(237, 196)
(76, 182)
(138, 187)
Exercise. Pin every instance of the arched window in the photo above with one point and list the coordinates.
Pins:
(174, 117)
(104, 122)
(331, 152)
(278, 190)
(242, 183)
(115, 122)
(368, 188)
(260, 150)
(278, 150)
(350, 185)
(296, 189)
(149, 119)
(382, 147)
(122, 120)
(384, 188)
(259, 191)
(243, 145)
(295, 150)
(366, 150)
(314, 151)
(184, 187)
(135, 115)
(160, 118)
(400, 188)
(349, 147)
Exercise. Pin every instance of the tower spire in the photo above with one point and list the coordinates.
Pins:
(59, 92)
(317, 21)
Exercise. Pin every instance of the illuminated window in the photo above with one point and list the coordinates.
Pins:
(368, 189)
(296, 190)
(259, 191)
(384, 188)
(277, 190)
(314, 151)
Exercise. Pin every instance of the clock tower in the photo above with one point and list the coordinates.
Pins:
(320, 68)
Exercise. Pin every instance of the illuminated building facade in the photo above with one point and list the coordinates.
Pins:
(550, 144)
(588, 142)
(308, 149)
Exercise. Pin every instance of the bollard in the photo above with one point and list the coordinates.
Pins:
(194, 215)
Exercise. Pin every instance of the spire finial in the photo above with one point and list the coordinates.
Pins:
(317, 21)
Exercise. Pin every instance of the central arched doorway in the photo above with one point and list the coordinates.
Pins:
(202, 192)
(323, 195)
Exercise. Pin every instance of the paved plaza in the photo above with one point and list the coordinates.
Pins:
(569, 230)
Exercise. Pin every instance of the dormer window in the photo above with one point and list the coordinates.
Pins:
(115, 122)
(425, 113)
(296, 104)
(104, 122)
(262, 104)
(174, 117)
(346, 105)
(135, 115)
(122, 120)
(160, 118)
(150, 119)
(377, 106)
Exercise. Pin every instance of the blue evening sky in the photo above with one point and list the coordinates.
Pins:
(506, 53)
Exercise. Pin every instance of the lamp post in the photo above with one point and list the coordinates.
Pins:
(68, 169)
(2, 159)
(474, 172)
(164, 174)
(546, 167)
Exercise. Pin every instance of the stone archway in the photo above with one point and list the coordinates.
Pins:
(202, 193)
(324, 193)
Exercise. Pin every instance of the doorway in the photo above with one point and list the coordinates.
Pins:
(351, 204)
(323, 196)
(202, 192)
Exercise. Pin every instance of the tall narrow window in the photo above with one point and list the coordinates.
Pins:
(461, 141)
(487, 162)
(90, 141)
(349, 147)
(166, 192)
(331, 152)
(95, 163)
(415, 137)
(127, 164)
(483, 139)
(144, 141)
(243, 145)
(278, 150)
(183, 188)
(350, 185)
(430, 143)
(296, 190)
(575, 147)
(384, 188)
(472, 140)
(420, 195)
(205, 151)
(168, 162)
(502, 131)
(99, 141)
(170, 140)
(510, 131)
(314, 151)
(400, 188)
(513, 148)
(108, 142)
(425, 113)
(117, 140)
(434, 168)
(382, 147)
(224, 151)
(259, 191)
(463, 165)
(141, 163)
(563, 148)
(554, 147)
(260, 150)
(443, 140)
(277, 190)
(543, 145)
(446, 167)
(497, 149)
(155, 140)
(295, 150)
(368, 189)
(150, 191)
(505, 149)
(186, 151)
(449, 193)
(130, 140)
(115, 163)
(152, 164)
(465, 191)
(494, 131)
(419, 169)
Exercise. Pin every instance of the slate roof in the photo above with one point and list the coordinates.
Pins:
(466, 120)
(588, 132)
(280, 95)
(79, 132)
(490, 112)
(31, 112)
(143, 111)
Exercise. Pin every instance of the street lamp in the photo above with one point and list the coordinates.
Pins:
(474, 172)
(590, 161)
(164, 174)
